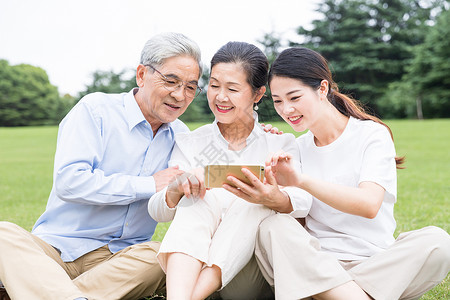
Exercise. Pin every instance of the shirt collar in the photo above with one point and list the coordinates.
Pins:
(257, 130)
(133, 112)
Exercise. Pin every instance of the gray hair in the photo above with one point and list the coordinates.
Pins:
(170, 44)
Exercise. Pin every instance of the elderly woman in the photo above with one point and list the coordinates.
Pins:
(213, 233)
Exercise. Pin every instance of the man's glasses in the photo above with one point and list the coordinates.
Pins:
(191, 89)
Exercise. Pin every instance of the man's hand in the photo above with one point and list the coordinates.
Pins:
(164, 177)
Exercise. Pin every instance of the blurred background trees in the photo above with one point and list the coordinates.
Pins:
(110, 82)
(424, 89)
(28, 98)
(393, 55)
(371, 46)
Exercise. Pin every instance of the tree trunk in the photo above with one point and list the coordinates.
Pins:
(419, 107)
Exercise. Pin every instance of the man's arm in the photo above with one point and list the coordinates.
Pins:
(80, 151)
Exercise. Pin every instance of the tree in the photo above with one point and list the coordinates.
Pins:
(369, 43)
(27, 97)
(272, 44)
(430, 71)
(424, 90)
(110, 82)
(198, 110)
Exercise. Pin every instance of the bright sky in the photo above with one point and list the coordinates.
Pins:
(71, 39)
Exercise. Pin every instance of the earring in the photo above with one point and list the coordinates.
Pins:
(255, 108)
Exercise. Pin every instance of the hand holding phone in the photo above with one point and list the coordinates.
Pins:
(216, 175)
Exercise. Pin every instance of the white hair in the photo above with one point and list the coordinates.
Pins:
(170, 44)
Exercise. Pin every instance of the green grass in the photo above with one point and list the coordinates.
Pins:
(26, 166)
(26, 171)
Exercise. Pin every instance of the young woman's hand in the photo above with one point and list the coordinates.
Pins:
(284, 168)
(271, 129)
(188, 184)
(266, 193)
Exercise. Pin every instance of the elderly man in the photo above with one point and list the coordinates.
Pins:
(93, 240)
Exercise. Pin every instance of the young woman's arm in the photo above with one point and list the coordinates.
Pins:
(364, 200)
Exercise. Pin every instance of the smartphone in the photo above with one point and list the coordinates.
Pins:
(216, 175)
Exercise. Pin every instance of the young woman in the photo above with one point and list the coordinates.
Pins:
(212, 236)
(346, 250)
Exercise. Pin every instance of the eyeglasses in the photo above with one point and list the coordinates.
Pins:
(191, 90)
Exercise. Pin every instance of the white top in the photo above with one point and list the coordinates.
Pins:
(206, 145)
(364, 152)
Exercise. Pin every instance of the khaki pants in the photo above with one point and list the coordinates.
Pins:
(290, 260)
(32, 269)
(248, 284)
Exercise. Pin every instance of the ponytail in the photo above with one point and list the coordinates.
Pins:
(353, 108)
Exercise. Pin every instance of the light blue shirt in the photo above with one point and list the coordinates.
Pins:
(105, 157)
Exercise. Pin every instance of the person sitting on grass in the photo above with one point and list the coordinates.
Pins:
(346, 249)
(94, 238)
(212, 237)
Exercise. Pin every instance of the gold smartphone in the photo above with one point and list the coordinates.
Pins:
(216, 175)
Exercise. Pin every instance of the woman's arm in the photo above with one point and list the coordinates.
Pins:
(162, 205)
(364, 200)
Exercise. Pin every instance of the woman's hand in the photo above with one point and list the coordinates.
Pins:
(164, 177)
(271, 129)
(267, 193)
(284, 169)
(188, 184)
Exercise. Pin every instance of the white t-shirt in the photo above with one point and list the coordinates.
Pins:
(363, 152)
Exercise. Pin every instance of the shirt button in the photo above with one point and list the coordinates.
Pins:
(126, 224)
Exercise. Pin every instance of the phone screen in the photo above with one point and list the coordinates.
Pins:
(216, 175)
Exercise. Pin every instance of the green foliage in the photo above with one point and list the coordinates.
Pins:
(390, 54)
(28, 98)
(369, 44)
(272, 44)
(424, 90)
(198, 110)
(399, 101)
(110, 82)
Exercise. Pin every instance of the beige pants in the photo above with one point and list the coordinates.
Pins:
(290, 260)
(217, 230)
(32, 269)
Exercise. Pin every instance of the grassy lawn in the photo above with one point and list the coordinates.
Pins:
(26, 167)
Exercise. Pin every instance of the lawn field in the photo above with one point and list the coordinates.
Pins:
(26, 167)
